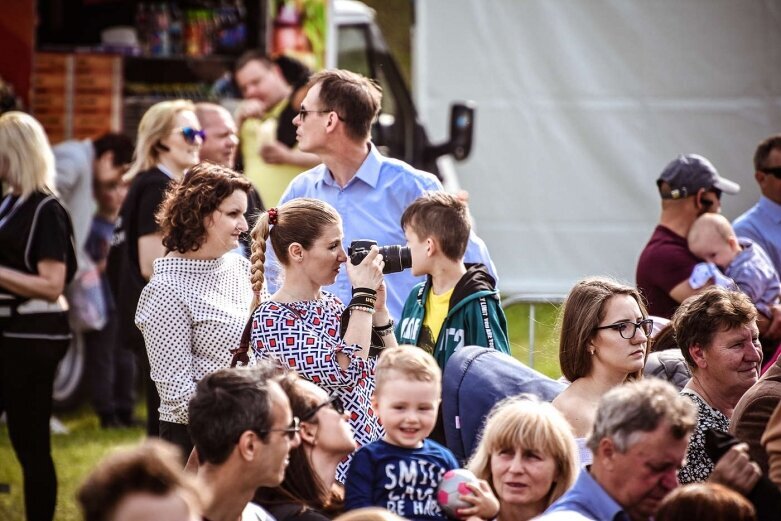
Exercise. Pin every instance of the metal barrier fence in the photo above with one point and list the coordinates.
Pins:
(532, 299)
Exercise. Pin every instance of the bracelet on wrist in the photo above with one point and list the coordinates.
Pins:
(365, 290)
(384, 332)
(365, 309)
(386, 327)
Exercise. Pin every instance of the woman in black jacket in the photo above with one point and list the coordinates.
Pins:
(37, 260)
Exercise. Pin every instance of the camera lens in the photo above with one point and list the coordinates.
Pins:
(397, 258)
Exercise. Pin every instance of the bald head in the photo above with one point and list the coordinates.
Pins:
(221, 141)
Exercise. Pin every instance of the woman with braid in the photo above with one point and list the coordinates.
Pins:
(300, 326)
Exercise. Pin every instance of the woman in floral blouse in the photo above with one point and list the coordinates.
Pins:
(301, 325)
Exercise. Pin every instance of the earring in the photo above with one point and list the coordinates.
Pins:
(591, 351)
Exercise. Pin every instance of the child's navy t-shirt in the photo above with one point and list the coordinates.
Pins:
(401, 480)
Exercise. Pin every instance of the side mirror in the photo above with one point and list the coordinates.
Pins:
(462, 124)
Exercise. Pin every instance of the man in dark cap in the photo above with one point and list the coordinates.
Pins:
(689, 187)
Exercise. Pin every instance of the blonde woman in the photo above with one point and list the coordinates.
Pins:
(169, 141)
(37, 260)
(527, 454)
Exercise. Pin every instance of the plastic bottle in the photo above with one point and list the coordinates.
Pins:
(143, 19)
(175, 31)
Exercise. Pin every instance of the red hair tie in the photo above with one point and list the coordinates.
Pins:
(272, 216)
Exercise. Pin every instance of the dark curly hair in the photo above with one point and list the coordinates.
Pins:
(181, 214)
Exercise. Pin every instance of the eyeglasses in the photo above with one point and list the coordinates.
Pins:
(190, 134)
(290, 432)
(623, 328)
(303, 112)
(775, 171)
(334, 401)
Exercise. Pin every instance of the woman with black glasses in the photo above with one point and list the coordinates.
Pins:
(309, 491)
(603, 343)
(168, 143)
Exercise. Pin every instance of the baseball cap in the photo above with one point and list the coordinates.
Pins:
(688, 173)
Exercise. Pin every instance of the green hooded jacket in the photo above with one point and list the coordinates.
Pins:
(474, 317)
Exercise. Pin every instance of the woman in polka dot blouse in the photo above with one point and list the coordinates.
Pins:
(299, 326)
(195, 307)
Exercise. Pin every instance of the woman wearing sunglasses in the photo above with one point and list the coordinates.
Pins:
(167, 145)
(603, 343)
(195, 306)
(309, 491)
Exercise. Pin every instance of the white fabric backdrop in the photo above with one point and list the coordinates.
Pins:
(581, 104)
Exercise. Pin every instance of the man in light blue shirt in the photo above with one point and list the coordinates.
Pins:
(369, 191)
(639, 441)
(762, 222)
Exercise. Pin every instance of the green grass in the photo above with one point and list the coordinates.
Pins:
(546, 348)
(75, 454)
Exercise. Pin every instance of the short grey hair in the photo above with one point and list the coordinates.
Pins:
(629, 410)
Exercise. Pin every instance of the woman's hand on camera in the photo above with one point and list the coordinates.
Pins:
(367, 274)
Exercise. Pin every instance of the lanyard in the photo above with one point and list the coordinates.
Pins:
(8, 212)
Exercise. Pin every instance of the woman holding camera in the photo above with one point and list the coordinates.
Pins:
(196, 304)
(300, 325)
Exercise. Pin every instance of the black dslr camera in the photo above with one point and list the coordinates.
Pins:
(397, 258)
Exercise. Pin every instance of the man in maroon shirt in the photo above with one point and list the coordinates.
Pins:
(689, 186)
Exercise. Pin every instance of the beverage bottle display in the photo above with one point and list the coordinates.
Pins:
(143, 19)
(176, 30)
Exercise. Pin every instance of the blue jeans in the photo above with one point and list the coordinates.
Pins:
(111, 372)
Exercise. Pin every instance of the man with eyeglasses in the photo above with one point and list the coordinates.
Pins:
(369, 191)
(689, 187)
(762, 222)
(242, 428)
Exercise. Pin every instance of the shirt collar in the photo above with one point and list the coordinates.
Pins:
(605, 506)
(368, 172)
(165, 170)
(771, 208)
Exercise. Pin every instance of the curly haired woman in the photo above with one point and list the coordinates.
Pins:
(196, 304)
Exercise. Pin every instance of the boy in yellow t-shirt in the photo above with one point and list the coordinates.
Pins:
(458, 304)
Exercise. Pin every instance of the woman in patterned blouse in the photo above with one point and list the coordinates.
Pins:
(195, 306)
(718, 336)
(299, 326)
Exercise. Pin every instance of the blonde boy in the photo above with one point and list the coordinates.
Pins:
(402, 471)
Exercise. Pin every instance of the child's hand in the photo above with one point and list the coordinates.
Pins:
(483, 501)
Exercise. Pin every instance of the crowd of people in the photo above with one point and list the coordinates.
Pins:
(205, 265)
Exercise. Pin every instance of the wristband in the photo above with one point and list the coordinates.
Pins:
(364, 290)
(382, 330)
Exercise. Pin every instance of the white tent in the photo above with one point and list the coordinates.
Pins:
(581, 104)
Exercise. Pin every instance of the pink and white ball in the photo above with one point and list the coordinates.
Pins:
(453, 484)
